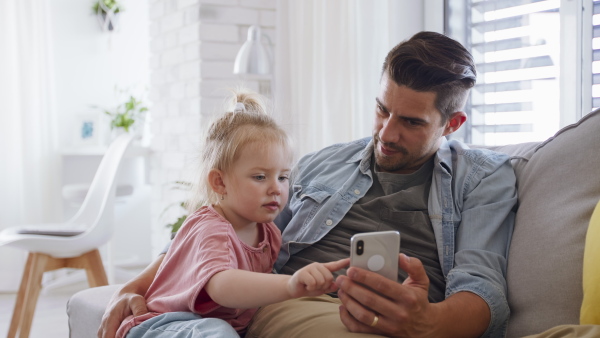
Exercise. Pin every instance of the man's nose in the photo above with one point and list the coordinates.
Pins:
(390, 131)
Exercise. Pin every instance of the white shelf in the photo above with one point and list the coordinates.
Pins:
(133, 150)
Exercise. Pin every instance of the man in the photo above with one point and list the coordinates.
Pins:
(452, 205)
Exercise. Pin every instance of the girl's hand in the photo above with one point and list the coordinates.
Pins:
(315, 279)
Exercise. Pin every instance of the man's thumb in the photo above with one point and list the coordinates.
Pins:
(414, 268)
(138, 306)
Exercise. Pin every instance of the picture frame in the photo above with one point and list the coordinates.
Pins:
(88, 130)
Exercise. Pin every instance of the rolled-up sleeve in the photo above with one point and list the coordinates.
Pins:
(483, 235)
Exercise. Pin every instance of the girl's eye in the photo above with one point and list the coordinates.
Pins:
(260, 177)
(283, 178)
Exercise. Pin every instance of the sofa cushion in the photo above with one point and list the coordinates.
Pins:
(590, 308)
(519, 155)
(559, 187)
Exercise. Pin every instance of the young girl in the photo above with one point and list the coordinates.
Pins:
(216, 272)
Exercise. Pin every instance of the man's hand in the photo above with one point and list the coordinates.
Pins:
(128, 300)
(402, 310)
(120, 306)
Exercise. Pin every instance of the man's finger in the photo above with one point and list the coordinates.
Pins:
(138, 305)
(374, 281)
(352, 324)
(367, 299)
(109, 327)
(416, 272)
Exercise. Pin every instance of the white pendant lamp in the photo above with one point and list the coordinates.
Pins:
(253, 59)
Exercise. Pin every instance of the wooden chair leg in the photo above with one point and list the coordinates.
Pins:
(94, 269)
(17, 314)
(33, 283)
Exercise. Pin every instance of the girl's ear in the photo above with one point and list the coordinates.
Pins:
(216, 181)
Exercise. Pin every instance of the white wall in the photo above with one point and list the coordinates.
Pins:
(89, 63)
(193, 47)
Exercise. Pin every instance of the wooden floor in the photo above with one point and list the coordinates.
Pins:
(50, 319)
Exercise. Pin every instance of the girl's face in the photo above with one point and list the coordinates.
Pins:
(257, 187)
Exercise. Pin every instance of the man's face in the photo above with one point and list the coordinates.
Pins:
(408, 128)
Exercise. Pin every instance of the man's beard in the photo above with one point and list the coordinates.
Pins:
(390, 164)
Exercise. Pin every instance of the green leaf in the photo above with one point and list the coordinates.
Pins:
(177, 224)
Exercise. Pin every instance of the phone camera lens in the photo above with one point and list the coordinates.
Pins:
(360, 247)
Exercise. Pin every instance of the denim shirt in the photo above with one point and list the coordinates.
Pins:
(471, 207)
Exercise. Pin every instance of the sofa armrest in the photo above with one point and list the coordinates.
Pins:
(85, 310)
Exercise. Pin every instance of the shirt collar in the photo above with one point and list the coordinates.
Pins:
(364, 156)
(443, 156)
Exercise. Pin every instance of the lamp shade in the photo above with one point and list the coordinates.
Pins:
(252, 59)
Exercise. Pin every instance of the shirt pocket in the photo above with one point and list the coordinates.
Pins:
(305, 203)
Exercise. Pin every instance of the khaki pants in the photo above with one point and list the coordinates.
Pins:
(302, 317)
(310, 317)
(570, 331)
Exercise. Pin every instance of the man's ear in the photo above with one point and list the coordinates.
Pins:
(454, 122)
(217, 181)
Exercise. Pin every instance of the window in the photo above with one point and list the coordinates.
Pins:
(534, 63)
(595, 90)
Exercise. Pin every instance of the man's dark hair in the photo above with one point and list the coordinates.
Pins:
(433, 62)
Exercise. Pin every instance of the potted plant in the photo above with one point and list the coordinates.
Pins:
(125, 114)
(180, 206)
(106, 12)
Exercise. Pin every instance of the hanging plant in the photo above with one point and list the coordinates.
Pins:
(106, 11)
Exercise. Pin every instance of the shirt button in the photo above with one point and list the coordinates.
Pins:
(357, 191)
(329, 222)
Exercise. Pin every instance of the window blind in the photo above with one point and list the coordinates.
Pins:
(516, 48)
(596, 55)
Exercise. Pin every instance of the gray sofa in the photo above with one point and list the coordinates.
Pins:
(559, 186)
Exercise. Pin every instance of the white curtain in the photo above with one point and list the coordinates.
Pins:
(328, 64)
(29, 159)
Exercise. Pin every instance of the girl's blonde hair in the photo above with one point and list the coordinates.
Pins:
(228, 135)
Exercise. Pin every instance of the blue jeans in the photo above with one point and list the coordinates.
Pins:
(182, 325)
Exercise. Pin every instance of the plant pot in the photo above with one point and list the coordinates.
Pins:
(116, 132)
(108, 21)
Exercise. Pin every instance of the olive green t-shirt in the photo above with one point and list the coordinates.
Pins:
(394, 202)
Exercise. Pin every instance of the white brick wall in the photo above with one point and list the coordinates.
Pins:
(193, 46)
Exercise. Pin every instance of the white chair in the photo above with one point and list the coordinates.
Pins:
(73, 244)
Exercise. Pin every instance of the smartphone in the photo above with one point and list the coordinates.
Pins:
(377, 252)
